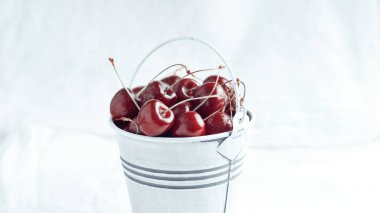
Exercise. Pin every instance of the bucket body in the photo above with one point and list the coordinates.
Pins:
(172, 175)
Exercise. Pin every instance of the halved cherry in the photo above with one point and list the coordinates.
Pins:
(155, 118)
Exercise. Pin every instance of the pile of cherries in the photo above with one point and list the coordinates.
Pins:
(176, 106)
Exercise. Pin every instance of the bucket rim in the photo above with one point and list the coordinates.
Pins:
(175, 139)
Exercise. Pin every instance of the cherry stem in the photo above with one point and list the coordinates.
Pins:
(227, 102)
(220, 67)
(213, 89)
(190, 99)
(125, 119)
(244, 91)
(144, 88)
(230, 97)
(121, 81)
(212, 114)
(224, 108)
(226, 82)
(179, 69)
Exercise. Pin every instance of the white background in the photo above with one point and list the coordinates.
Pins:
(312, 70)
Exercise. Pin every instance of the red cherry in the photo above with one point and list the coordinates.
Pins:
(159, 90)
(122, 105)
(133, 127)
(212, 104)
(188, 124)
(230, 110)
(218, 122)
(182, 108)
(231, 104)
(212, 78)
(171, 79)
(120, 123)
(184, 88)
(137, 89)
(227, 86)
(155, 118)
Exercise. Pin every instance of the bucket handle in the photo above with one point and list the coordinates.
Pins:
(240, 113)
(229, 148)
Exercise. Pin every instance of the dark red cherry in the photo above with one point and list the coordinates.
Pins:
(122, 105)
(182, 108)
(217, 123)
(231, 104)
(120, 123)
(212, 104)
(230, 110)
(171, 79)
(132, 127)
(155, 118)
(221, 81)
(184, 88)
(160, 91)
(188, 124)
(137, 89)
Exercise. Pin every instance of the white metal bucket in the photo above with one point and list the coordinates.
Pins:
(184, 175)
(178, 175)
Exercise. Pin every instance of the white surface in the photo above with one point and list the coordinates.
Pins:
(312, 69)
(67, 171)
(311, 66)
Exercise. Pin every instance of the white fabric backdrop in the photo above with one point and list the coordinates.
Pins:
(311, 66)
(312, 69)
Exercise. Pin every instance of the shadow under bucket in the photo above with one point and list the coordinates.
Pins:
(180, 175)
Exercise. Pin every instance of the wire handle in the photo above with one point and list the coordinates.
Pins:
(229, 148)
(232, 75)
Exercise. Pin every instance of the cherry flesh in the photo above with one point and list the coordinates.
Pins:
(171, 79)
(212, 104)
(160, 91)
(182, 108)
(218, 123)
(184, 88)
(122, 105)
(155, 118)
(188, 124)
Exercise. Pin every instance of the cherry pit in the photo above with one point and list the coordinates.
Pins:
(178, 105)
